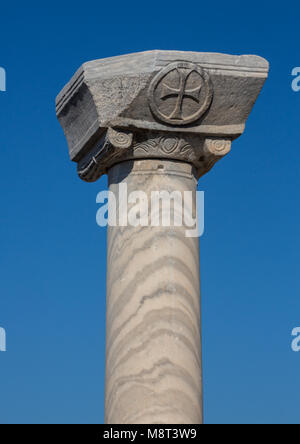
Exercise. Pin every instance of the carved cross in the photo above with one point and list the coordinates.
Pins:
(181, 93)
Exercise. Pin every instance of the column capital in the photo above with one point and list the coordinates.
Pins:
(177, 105)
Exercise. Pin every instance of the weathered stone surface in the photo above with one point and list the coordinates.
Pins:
(153, 348)
(155, 121)
(147, 96)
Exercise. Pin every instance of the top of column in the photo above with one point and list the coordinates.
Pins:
(165, 94)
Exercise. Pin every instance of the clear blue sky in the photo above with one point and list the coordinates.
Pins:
(53, 255)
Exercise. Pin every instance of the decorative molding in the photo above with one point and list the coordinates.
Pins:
(104, 154)
(121, 145)
(217, 147)
(119, 139)
(180, 147)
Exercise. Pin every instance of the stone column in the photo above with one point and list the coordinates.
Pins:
(155, 122)
(153, 356)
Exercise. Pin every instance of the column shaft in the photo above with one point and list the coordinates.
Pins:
(153, 343)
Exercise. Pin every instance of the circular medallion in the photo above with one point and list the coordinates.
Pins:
(180, 93)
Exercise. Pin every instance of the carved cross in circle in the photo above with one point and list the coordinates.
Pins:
(181, 93)
(172, 86)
